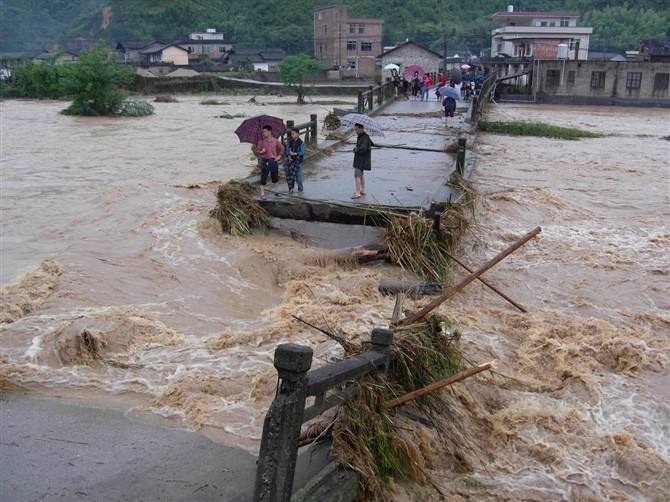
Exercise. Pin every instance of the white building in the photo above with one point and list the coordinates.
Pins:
(538, 35)
(210, 34)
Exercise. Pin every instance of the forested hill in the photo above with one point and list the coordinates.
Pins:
(37, 24)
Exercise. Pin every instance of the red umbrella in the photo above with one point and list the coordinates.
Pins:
(251, 130)
(409, 71)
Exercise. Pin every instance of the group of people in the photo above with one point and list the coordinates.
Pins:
(271, 151)
(419, 87)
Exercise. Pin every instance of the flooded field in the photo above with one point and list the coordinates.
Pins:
(121, 291)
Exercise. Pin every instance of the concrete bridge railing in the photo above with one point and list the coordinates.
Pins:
(281, 428)
(375, 96)
(481, 101)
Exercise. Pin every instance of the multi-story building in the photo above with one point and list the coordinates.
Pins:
(342, 42)
(207, 45)
(540, 35)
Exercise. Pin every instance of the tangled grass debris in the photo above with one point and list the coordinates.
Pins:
(237, 211)
(413, 246)
(366, 436)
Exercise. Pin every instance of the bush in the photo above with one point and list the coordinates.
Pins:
(135, 109)
(39, 80)
(94, 84)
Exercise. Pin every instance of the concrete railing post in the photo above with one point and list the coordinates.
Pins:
(281, 429)
(313, 119)
(371, 98)
(381, 340)
(361, 103)
(460, 158)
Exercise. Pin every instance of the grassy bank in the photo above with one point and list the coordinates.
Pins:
(539, 129)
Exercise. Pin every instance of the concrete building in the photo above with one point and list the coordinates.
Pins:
(341, 42)
(409, 53)
(636, 83)
(260, 59)
(209, 44)
(165, 54)
(538, 35)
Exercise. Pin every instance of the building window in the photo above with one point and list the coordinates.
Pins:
(366, 46)
(544, 23)
(565, 22)
(598, 80)
(553, 78)
(325, 29)
(571, 77)
(352, 28)
(633, 79)
(573, 44)
(205, 49)
(361, 28)
(191, 50)
(222, 49)
(351, 45)
(499, 48)
(661, 81)
(552, 24)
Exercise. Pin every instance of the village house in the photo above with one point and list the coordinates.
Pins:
(539, 35)
(56, 56)
(260, 59)
(341, 42)
(209, 44)
(655, 51)
(409, 53)
(158, 53)
(130, 52)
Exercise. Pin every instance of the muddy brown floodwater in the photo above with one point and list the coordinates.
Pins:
(120, 290)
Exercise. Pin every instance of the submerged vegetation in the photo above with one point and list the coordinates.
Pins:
(94, 84)
(535, 129)
(236, 209)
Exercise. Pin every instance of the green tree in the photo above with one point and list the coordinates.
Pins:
(245, 66)
(621, 28)
(94, 83)
(293, 69)
(39, 80)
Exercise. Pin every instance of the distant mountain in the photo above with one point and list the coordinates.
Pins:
(38, 24)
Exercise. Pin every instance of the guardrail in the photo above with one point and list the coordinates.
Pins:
(375, 95)
(309, 129)
(281, 428)
(481, 101)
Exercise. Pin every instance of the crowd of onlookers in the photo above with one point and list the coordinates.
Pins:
(466, 83)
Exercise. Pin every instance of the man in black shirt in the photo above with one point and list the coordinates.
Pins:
(362, 159)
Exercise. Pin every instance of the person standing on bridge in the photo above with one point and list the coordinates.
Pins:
(270, 150)
(362, 159)
(295, 152)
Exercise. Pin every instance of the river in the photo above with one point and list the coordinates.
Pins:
(104, 248)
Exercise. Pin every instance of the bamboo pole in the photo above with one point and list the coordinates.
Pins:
(459, 287)
(487, 284)
(411, 396)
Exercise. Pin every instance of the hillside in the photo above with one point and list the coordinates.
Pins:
(36, 24)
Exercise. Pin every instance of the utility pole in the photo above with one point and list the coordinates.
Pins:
(444, 57)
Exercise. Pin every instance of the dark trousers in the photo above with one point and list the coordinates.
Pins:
(270, 168)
